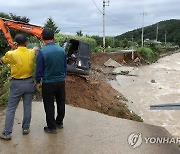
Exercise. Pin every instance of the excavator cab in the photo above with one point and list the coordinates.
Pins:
(78, 56)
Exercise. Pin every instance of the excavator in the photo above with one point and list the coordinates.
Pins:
(6, 24)
(78, 52)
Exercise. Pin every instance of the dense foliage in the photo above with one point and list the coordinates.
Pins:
(147, 54)
(60, 38)
(168, 28)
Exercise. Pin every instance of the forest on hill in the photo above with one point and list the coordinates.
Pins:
(169, 30)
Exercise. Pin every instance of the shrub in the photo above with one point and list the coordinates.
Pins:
(147, 54)
(4, 84)
(155, 47)
(60, 38)
(5, 93)
(98, 49)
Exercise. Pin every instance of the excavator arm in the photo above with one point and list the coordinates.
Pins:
(6, 24)
(6, 33)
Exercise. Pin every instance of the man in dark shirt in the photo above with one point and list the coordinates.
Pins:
(51, 68)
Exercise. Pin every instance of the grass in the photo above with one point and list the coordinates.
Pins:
(4, 84)
(124, 112)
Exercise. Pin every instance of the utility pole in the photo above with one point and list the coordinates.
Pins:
(157, 32)
(142, 36)
(165, 37)
(105, 3)
(132, 48)
(113, 42)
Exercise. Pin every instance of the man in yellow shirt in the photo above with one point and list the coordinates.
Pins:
(22, 85)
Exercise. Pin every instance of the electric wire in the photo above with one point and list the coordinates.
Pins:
(121, 24)
(97, 7)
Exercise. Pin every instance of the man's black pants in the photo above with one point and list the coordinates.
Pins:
(52, 92)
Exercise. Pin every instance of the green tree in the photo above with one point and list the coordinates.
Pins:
(98, 39)
(51, 24)
(125, 43)
(79, 33)
(19, 18)
(109, 42)
(4, 15)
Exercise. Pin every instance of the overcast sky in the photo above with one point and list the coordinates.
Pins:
(86, 15)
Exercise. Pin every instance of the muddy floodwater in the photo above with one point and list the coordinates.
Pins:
(158, 83)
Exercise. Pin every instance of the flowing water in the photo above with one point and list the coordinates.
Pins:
(165, 88)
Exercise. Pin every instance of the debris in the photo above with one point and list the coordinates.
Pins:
(112, 63)
(137, 60)
(124, 62)
(153, 81)
(124, 70)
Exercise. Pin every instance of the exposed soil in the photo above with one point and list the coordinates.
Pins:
(94, 93)
(122, 58)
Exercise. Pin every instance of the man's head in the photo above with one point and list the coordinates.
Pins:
(47, 34)
(21, 39)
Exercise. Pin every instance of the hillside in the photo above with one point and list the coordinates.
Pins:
(171, 27)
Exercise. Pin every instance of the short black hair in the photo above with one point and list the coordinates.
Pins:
(21, 39)
(47, 34)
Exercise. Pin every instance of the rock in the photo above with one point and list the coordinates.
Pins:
(137, 60)
(153, 81)
(112, 63)
(120, 97)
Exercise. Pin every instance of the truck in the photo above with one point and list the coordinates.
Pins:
(78, 52)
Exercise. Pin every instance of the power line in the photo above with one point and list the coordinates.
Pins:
(97, 7)
(116, 21)
(130, 3)
(109, 17)
(121, 24)
(105, 14)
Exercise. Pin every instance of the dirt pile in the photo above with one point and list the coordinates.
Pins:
(97, 96)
